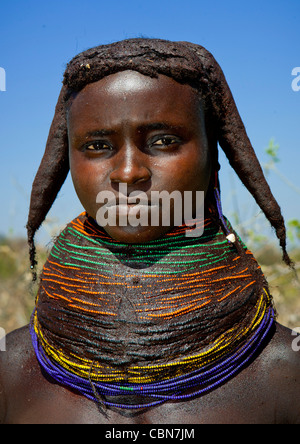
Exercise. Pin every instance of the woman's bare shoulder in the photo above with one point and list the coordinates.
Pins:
(283, 350)
(285, 345)
(18, 349)
(18, 360)
(280, 363)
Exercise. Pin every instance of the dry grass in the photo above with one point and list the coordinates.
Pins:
(284, 284)
(17, 293)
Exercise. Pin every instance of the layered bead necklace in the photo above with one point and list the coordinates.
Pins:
(167, 320)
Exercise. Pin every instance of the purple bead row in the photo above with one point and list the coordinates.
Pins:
(207, 378)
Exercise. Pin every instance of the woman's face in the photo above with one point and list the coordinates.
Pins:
(132, 133)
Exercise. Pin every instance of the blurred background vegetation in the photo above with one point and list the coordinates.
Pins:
(17, 292)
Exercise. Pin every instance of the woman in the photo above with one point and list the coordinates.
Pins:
(149, 322)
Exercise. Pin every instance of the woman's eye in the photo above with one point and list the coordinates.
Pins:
(97, 146)
(165, 141)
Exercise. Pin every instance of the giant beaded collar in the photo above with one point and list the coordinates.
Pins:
(167, 320)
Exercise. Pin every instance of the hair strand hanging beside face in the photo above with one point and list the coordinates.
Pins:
(51, 175)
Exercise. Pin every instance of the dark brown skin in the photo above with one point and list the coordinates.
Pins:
(173, 156)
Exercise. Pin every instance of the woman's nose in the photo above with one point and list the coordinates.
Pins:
(131, 167)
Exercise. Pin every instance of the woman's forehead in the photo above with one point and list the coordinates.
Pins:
(132, 87)
(133, 81)
(134, 96)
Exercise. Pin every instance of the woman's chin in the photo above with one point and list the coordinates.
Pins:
(136, 235)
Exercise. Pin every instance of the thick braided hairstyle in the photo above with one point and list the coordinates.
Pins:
(184, 62)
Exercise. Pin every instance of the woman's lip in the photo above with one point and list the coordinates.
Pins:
(128, 201)
(126, 209)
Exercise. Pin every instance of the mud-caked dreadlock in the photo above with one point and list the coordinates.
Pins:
(184, 62)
